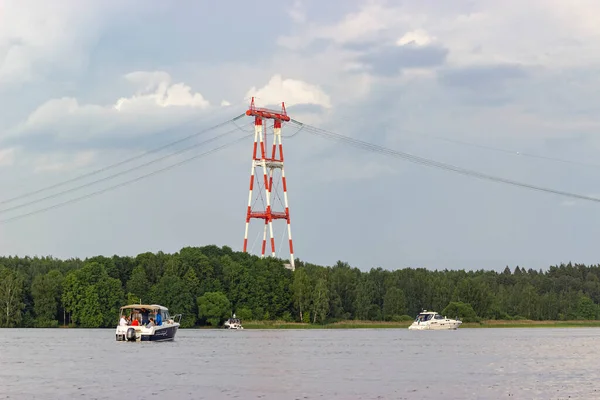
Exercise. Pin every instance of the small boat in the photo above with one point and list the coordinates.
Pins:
(431, 320)
(146, 323)
(233, 323)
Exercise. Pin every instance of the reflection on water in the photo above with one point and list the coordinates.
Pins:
(535, 363)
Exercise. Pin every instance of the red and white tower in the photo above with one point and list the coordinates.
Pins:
(272, 173)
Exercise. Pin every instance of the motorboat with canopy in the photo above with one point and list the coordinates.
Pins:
(146, 323)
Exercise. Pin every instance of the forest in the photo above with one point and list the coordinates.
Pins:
(207, 284)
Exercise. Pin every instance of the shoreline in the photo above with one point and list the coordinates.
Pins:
(405, 325)
(486, 324)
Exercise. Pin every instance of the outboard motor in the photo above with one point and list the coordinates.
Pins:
(130, 335)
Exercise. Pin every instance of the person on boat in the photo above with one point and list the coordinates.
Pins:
(150, 323)
(145, 315)
(158, 318)
(123, 321)
(135, 322)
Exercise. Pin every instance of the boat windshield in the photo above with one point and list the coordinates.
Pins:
(438, 316)
(423, 317)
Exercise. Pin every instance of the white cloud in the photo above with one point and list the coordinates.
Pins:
(366, 24)
(158, 101)
(37, 35)
(158, 91)
(418, 37)
(550, 33)
(225, 103)
(290, 91)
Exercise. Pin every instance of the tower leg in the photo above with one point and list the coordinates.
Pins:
(257, 132)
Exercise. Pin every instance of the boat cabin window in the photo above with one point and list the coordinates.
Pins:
(438, 316)
(424, 317)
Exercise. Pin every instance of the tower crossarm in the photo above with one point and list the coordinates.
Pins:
(265, 215)
(266, 113)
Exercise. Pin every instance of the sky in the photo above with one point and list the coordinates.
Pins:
(509, 89)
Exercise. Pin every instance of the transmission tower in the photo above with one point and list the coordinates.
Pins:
(272, 172)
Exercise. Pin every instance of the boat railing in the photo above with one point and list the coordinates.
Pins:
(174, 318)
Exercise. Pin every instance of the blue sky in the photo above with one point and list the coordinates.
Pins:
(87, 84)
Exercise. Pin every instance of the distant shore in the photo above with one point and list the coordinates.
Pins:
(401, 325)
(404, 325)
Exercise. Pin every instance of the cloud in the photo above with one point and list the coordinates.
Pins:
(363, 25)
(292, 91)
(482, 77)
(390, 60)
(157, 104)
(158, 91)
(36, 38)
(418, 37)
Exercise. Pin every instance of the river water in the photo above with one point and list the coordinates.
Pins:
(536, 363)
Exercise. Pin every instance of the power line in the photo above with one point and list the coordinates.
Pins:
(121, 172)
(513, 152)
(431, 163)
(157, 149)
(187, 160)
(66, 202)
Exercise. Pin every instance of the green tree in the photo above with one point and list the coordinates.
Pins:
(138, 284)
(11, 297)
(302, 291)
(463, 311)
(46, 291)
(172, 292)
(320, 302)
(92, 297)
(214, 307)
(393, 303)
(586, 309)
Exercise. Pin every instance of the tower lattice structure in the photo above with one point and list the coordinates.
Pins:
(271, 172)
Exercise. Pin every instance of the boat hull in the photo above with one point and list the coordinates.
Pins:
(161, 333)
(435, 326)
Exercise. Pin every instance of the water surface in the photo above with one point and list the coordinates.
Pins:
(534, 363)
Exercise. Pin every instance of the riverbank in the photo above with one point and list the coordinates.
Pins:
(404, 325)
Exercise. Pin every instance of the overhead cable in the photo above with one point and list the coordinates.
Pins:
(185, 149)
(187, 160)
(108, 167)
(431, 163)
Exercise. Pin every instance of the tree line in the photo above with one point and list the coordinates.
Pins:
(207, 284)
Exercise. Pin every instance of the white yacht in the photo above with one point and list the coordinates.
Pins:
(146, 323)
(427, 320)
(233, 323)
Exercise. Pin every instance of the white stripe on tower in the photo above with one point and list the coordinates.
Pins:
(257, 130)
